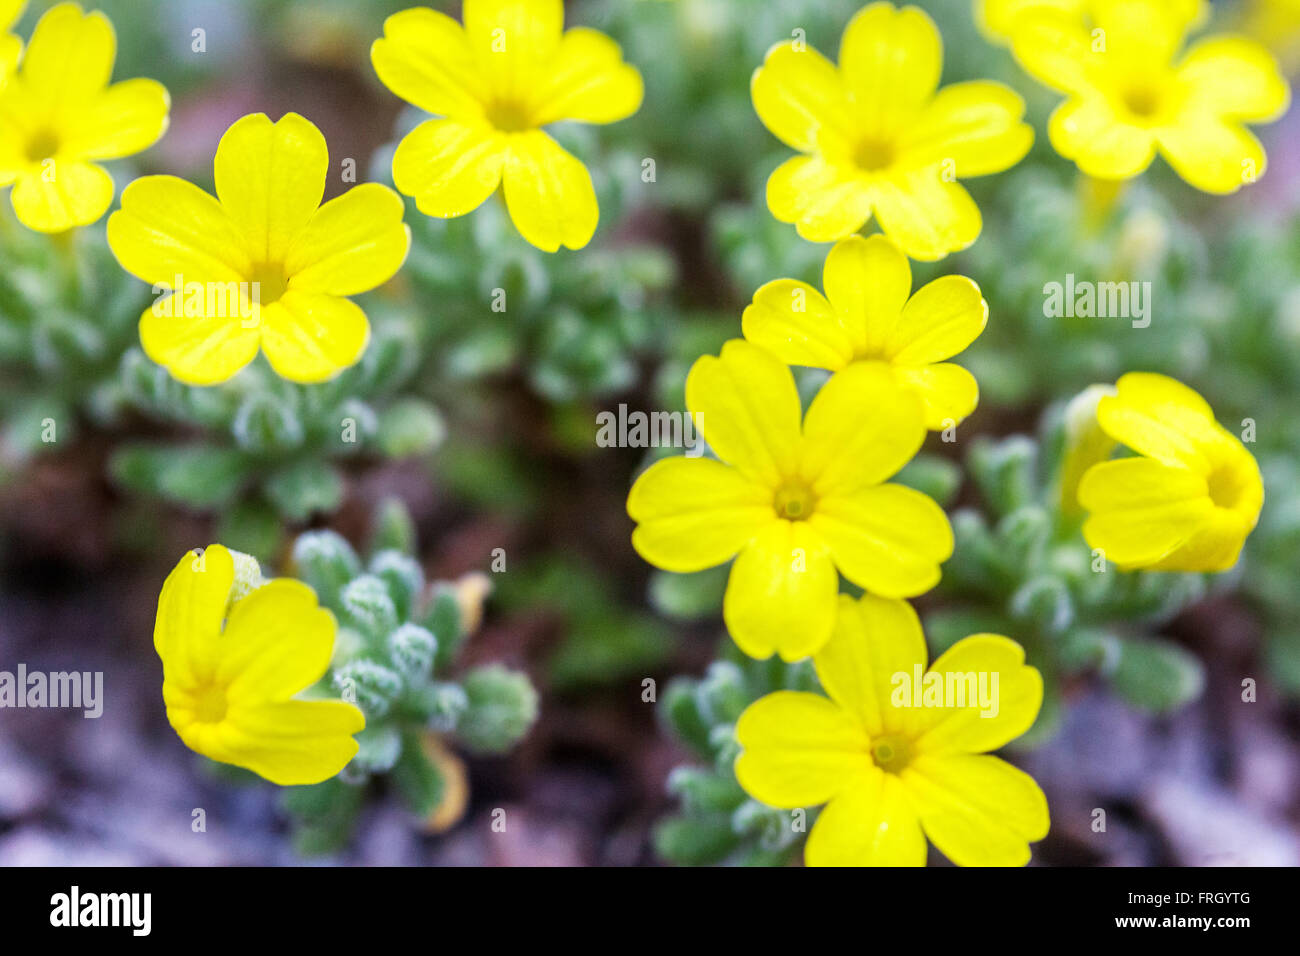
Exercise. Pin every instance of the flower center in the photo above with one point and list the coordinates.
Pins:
(1142, 100)
(871, 155)
(1226, 486)
(891, 753)
(794, 501)
(210, 706)
(269, 283)
(42, 145)
(509, 116)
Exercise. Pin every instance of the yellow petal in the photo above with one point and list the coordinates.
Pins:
(191, 609)
(277, 643)
(891, 60)
(1055, 48)
(1090, 132)
(589, 81)
(976, 127)
(999, 18)
(70, 58)
(449, 167)
(861, 428)
(1214, 545)
(948, 392)
(309, 337)
(694, 513)
(1214, 155)
(62, 195)
(800, 749)
(889, 539)
(290, 743)
(800, 98)
(351, 244)
(1011, 705)
(978, 810)
(747, 408)
(1143, 31)
(169, 227)
(126, 118)
(875, 638)
(11, 48)
(1233, 77)
(271, 178)
(1162, 418)
(198, 350)
(426, 59)
(871, 823)
(868, 282)
(944, 317)
(515, 41)
(548, 193)
(927, 216)
(781, 593)
(824, 202)
(1141, 509)
(795, 323)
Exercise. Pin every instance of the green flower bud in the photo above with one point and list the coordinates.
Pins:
(502, 706)
(326, 561)
(404, 577)
(264, 424)
(368, 604)
(370, 685)
(412, 649)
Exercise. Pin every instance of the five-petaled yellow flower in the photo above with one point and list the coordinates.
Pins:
(879, 140)
(511, 70)
(262, 265)
(11, 47)
(1191, 498)
(866, 316)
(892, 769)
(235, 654)
(59, 117)
(792, 504)
(1131, 91)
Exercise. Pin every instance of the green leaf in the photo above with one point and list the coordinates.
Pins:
(197, 476)
(1156, 675)
(305, 488)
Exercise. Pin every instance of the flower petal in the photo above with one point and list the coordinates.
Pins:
(746, 406)
(549, 193)
(515, 41)
(1141, 509)
(976, 126)
(948, 392)
(589, 81)
(426, 59)
(198, 350)
(868, 282)
(1233, 77)
(270, 179)
(168, 227)
(70, 58)
(1090, 132)
(63, 195)
(824, 202)
(449, 167)
(1214, 155)
(351, 244)
(927, 216)
(1214, 545)
(695, 513)
(978, 810)
(1162, 418)
(290, 743)
(191, 610)
(799, 749)
(1012, 702)
(781, 593)
(1055, 48)
(889, 539)
(795, 323)
(800, 98)
(875, 638)
(309, 337)
(871, 823)
(944, 317)
(861, 428)
(277, 643)
(891, 59)
(126, 118)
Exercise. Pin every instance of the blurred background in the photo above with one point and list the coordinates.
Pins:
(478, 459)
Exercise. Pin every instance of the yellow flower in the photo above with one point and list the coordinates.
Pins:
(792, 504)
(1191, 499)
(1131, 92)
(892, 769)
(262, 265)
(235, 653)
(879, 140)
(866, 316)
(511, 70)
(998, 18)
(59, 117)
(11, 47)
